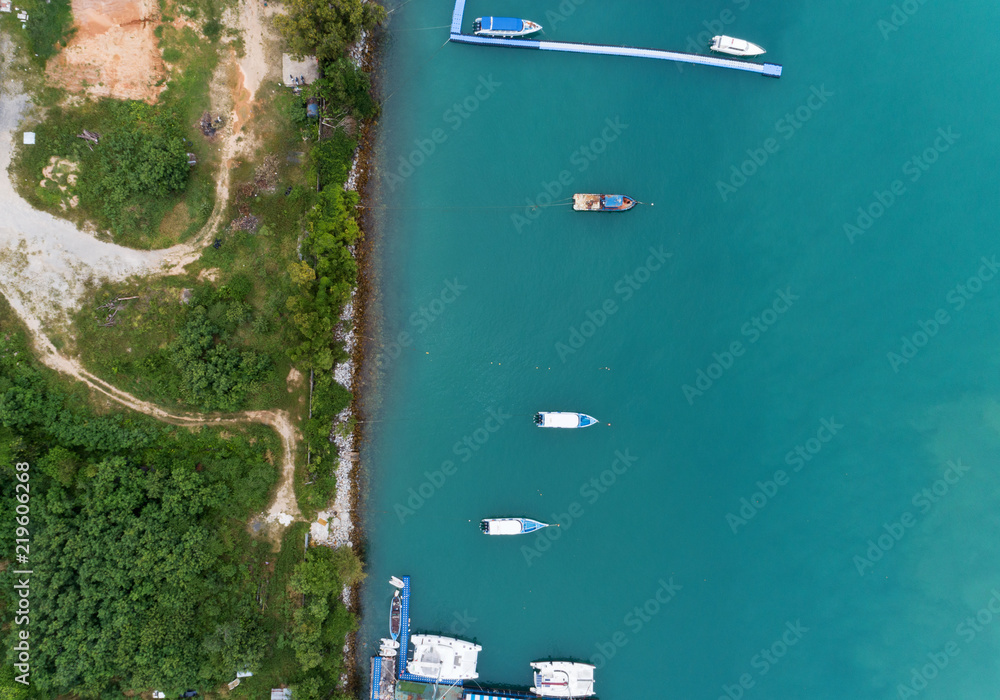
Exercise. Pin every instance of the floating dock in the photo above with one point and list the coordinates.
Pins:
(771, 70)
(390, 681)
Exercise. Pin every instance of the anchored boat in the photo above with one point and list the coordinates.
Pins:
(559, 419)
(504, 27)
(510, 526)
(563, 679)
(443, 658)
(395, 615)
(735, 47)
(602, 202)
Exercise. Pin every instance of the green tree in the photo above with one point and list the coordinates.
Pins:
(214, 375)
(143, 155)
(345, 85)
(325, 28)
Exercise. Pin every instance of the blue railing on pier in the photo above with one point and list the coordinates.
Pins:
(376, 677)
(404, 630)
(404, 640)
(772, 70)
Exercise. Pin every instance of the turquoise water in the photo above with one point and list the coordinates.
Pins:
(484, 312)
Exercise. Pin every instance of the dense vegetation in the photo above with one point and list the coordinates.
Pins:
(150, 578)
(325, 28)
(322, 623)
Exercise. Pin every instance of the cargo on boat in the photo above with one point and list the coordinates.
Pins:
(602, 202)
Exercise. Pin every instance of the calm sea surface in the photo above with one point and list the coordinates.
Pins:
(797, 349)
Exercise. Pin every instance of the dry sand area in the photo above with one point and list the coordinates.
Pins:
(114, 52)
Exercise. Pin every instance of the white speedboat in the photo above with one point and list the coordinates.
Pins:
(735, 47)
(563, 679)
(559, 419)
(397, 582)
(443, 658)
(504, 27)
(510, 526)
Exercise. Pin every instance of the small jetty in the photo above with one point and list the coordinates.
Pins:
(771, 70)
(390, 681)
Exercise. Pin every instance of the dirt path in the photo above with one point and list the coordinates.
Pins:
(45, 262)
(284, 502)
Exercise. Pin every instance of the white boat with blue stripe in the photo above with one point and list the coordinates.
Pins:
(562, 419)
(510, 526)
(504, 27)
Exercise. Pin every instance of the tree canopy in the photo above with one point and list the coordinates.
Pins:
(132, 524)
(142, 154)
(325, 28)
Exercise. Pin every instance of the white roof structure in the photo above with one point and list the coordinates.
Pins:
(281, 694)
(563, 679)
(504, 526)
(560, 420)
(29, 138)
(4, 5)
(563, 419)
(443, 658)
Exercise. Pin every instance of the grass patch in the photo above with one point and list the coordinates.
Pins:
(48, 28)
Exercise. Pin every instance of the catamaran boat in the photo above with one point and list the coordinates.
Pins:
(557, 419)
(563, 679)
(735, 47)
(443, 658)
(602, 202)
(510, 526)
(504, 27)
(396, 615)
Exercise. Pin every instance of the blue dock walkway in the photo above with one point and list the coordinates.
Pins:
(404, 634)
(771, 70)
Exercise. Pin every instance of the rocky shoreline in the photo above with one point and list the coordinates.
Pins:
(345, 525)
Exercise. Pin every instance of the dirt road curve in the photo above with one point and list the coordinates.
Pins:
(44, 262)
(284, 501)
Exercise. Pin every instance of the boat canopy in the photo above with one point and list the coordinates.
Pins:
(505, 526)
(560, 420)
(503, 24)
(613, 200)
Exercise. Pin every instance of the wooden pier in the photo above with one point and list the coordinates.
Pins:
(771, 70)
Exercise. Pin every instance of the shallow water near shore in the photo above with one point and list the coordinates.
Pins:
(816, 514)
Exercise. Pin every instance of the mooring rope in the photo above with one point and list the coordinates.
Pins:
(561, 203)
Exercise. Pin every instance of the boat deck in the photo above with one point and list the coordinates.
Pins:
(771, 70)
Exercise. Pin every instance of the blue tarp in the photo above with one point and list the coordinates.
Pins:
(613, 200)
(503, 24)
